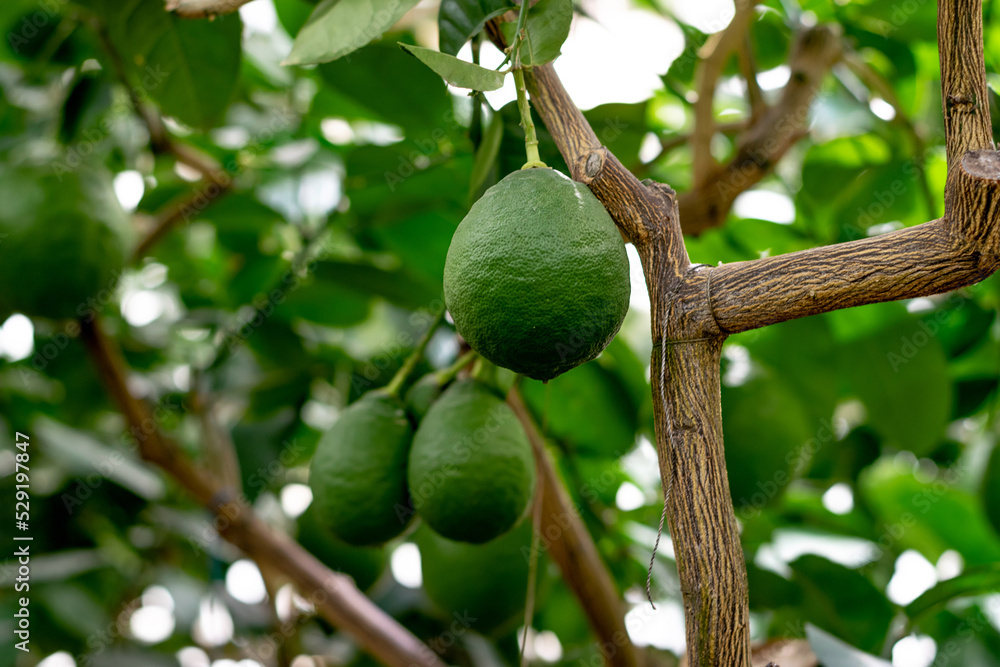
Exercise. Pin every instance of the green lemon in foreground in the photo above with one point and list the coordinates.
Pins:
(471, 471)
(536, 278)
(358, 474)
(61, 240)
(363, 564)
(481, 585)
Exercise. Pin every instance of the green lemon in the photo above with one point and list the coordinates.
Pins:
(471, 471)
(536, 277)
(61, 240)
(358, 474)
(363, 564)
(482, 586)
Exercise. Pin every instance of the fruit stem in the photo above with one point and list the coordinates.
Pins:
(530, 140)
(406, 370)
(446, 375)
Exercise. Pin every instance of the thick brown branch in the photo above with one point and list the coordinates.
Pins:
(967, 127)
(963, 78)
(713, 58)
(766, 141)
(201, 9)
(573, 550)
(919, 261)
(334, 596)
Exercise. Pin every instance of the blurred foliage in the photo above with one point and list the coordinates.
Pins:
(852, 438)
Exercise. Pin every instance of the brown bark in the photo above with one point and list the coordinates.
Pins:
(334, 595)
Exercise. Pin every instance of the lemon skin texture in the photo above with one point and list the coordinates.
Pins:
(62, 240)
(358, 473)
(471, 471)
(536, 277)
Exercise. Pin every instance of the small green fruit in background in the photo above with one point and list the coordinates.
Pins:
(358, 474)
(485, 582)
(536, 277)
(62, 239)
(471, 471)
(363, 564)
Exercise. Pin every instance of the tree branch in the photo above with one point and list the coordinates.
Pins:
(755, 98)
(574, 551)
(708, 203)
(201, 9)
(960, 249)
(713, 57)
(334, 595)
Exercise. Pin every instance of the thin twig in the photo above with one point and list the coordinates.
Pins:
(714, 55)
(755, 98)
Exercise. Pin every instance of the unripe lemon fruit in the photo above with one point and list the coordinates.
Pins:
(471, 470)
(358, 474)
(536, 277)
(61, 240)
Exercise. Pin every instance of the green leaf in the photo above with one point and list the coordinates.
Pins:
(398, 89)
(458, 20)
(455, 71)
(929, 516)
(975, 581)
(190, 68)
(339, 27)
(842, 601)
(901, 375)
(546, 30)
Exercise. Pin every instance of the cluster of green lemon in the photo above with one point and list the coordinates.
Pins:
(466, 469)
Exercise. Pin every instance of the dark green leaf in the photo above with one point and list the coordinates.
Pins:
(545, 32)
(458, 20)
(168, 56)
(842, 601)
